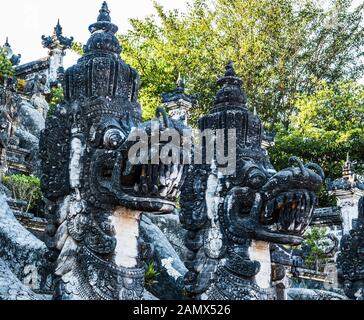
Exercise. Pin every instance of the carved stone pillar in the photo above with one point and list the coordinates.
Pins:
(178, 104)
(57, 45)
(350, 260)
(348, 191)
(347, 201)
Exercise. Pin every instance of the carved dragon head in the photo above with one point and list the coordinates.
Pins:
(98, 192)
(225, 213)
(86, 144)
(274, 208)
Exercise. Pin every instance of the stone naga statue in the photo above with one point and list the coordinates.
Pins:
(98, 194)
(351, 259)
(233, 219)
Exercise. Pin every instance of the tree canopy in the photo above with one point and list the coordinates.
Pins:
(280, 48)
(328, 124)
(316, 241)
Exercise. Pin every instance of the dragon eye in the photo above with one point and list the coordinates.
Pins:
(113, 138)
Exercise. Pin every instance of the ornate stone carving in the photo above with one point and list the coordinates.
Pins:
(57, 45)
(14, 58)
(9, 106)
(37, 88)
(57, 40)
(232, 219)
(98, 194)
(178, 103)
(351, 259)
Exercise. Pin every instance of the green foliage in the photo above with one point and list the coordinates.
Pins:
(77, 47)
(280, 48)
(26, 188)
(327, 125)
(315, 239)
(56, 97)
(151, 275)
(325, 199)
(6, 68)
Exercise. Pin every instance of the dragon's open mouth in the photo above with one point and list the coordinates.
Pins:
(150, 188)
(288, 214)
(155, 181)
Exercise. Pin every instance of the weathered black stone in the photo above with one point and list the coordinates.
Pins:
(351, 259)
(28, 69)
(179, 94)
(254, 203)
(99, 112)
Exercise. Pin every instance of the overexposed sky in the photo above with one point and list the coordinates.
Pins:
(25, 21)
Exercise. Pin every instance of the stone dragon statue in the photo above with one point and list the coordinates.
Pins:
(233, 219)
(98, 196)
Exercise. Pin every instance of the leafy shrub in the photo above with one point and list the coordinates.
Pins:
(77, 48)
(56, 97)
(316, 240)
(6, 68)
(151, 275)
(25, 188)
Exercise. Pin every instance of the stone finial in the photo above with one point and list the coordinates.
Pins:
(104, 13)
(57, 40)
(103, 21)
(14, 59)
(178, 103)
(231, 91)
(179, 93)
(230, 69)
(348, 172)
(180, 84)
(58, 30)
(103, 34)
(7, 48)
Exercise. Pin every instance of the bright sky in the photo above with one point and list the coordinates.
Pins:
(25, 21)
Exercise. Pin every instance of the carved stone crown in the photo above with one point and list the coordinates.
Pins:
(101, 73)
(103, 34)
(230, 112)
